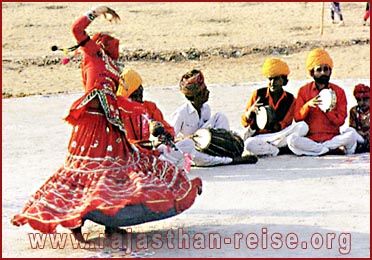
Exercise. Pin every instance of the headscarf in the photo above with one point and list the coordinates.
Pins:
(192, 82)
(361, 91)
(317, 57)
(275, 67)
(129, 82)
(109, 44)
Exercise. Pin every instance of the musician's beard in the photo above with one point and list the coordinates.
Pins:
(322, 79)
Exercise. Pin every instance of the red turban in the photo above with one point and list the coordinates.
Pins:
(361, 91)
(192, 83)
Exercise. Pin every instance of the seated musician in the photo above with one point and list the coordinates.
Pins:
(268, 138)
(324, 124)
(196, 114)
(143, 120)
(359, 118)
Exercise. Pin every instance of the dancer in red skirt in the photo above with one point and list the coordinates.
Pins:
(105, 178)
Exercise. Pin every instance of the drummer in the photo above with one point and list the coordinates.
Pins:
(196, 114)
(279, 105)
(324, 135)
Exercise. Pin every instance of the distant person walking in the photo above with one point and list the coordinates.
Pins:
(366, 15)
(335, 7)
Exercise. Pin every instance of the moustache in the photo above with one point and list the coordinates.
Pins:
(322, 79)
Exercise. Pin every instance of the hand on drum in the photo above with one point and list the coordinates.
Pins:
(314, 102)
(253, 109)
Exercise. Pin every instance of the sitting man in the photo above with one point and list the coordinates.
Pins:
(271, 137)
(143, 120)
(196, 114)
(324, 121)
(359, 118)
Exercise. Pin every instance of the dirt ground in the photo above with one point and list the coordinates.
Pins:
(227, 41)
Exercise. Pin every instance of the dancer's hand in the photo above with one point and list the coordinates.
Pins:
(108, 13)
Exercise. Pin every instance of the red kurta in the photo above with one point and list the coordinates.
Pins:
(285, 122)
(136, 117)
(323, 126)
(156, 115)
(104, 177)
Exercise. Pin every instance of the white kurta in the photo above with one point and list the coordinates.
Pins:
(186, 121)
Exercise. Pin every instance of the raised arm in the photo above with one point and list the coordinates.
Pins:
(79, 26)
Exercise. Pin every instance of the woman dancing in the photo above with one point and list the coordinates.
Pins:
(105, 178)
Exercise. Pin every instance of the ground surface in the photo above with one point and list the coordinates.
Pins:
(228, 41)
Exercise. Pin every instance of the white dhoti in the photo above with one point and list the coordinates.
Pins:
(269, 144)
(300, 145)
(203, 159)
(177, 157)
(357, 136)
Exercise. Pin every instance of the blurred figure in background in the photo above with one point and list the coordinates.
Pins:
(335, 7)
(366, 15)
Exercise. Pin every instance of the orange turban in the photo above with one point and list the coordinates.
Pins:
(275, 67)
(361, 91)
(318, 57)
(129, 82)
(192, 83)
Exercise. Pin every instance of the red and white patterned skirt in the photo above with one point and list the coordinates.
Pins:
(109, 181)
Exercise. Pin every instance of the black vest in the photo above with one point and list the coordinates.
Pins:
(283, 107)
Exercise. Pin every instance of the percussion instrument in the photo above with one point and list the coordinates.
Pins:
(328, 100)
(265, 116)
(218, 142)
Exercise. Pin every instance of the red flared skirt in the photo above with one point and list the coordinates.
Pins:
(109, 181)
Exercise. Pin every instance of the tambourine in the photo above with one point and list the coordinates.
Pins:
(328, 100)
(265, 115)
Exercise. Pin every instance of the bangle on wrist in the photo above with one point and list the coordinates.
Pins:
(91, 15)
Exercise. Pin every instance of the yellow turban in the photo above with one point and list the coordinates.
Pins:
(129, 82)
(275, 67)
(318, 57)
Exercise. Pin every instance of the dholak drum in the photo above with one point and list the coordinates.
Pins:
(218, 142)
(265, 116)
(328, 100)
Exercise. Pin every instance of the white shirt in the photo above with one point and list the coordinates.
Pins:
(186, 121)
